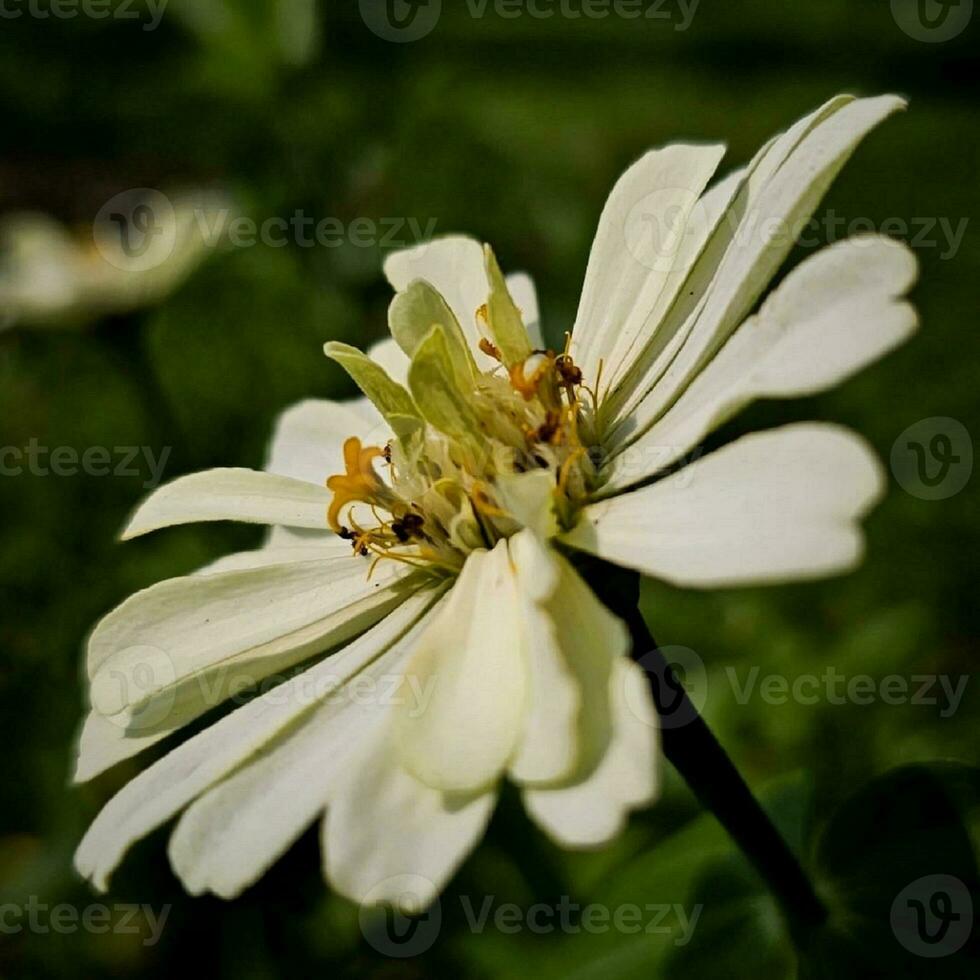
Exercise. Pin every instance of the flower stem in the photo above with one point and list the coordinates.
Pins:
(697, 755)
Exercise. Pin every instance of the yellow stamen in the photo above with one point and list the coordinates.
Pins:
(483, 504)
(490, 348)
(598, 381)
(566, 468)
(526, 376)
(359, 483)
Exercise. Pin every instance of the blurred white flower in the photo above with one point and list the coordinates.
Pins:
(476, 467)
(142, 246)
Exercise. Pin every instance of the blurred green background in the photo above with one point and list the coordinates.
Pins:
(513, 130)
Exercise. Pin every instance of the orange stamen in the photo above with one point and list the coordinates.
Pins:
(359, 483)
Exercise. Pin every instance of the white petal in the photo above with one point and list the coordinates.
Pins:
(832, 315)
(455, 266)
(641, 357)
(776, 505)
(615, 736)
(548, 749)
(538, 571)
(529, 498)
(104, 742)
(727, 210)
(592, 811)
(175, 650)
(308, 442)
(392, 358)
(470, 658)
(330, 546)
(784, 185)
(235, 831)
(640, 233)
(389, 838)
(303, 537)
(232, 495)
(789, 199)
(165, 788)
(521, 288)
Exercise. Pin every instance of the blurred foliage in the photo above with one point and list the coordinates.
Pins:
(513, 130)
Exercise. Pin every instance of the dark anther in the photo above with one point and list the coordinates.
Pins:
(490, 349)
(409, 526)
(567, 370)
(550, 426)
(413, 523)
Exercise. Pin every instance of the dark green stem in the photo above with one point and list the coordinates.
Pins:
(694, 751)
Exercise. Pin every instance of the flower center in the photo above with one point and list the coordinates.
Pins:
(523, 463)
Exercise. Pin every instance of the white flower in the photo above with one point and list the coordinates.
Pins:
(473, 651)
(48, 277)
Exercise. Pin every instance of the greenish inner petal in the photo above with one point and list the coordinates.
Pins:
(480, 455)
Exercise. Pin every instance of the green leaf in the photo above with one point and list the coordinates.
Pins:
(704, 912)
(897, 865)
(432, 380)
(506, 324)
(415, 311)
(739, 929)
(389, 397)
